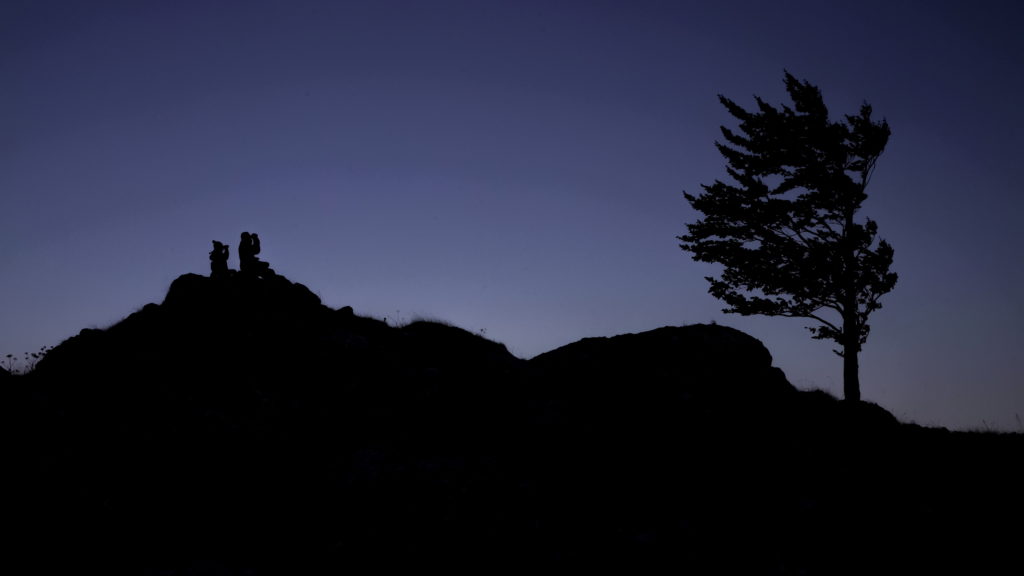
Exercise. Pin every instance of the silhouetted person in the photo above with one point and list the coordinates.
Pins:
(219, 260)
(246, 255)
(248, 263)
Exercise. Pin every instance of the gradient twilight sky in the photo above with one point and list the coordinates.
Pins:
(513, 167)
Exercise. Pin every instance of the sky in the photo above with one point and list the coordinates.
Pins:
(515, 168)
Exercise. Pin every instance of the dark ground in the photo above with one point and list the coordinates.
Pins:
(241, 427)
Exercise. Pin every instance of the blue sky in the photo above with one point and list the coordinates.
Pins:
(514, 168)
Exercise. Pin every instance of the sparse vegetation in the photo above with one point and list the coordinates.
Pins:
(26, 363)
(430, 320)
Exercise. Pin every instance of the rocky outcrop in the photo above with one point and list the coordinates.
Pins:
(705, 365)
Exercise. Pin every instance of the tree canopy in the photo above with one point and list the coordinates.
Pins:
(784, 228)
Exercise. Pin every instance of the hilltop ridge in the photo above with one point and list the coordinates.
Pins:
(244, 423)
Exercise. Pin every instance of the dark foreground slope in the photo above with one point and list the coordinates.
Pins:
(243, 427)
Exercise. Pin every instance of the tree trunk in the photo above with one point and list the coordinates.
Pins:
(851, 371)
(851, 319)
(851, 348)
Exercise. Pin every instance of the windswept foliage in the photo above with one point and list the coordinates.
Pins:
(785, 230)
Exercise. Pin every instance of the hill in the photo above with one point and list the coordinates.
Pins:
(241, 426)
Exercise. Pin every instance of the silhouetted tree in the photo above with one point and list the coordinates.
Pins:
(785, 230)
